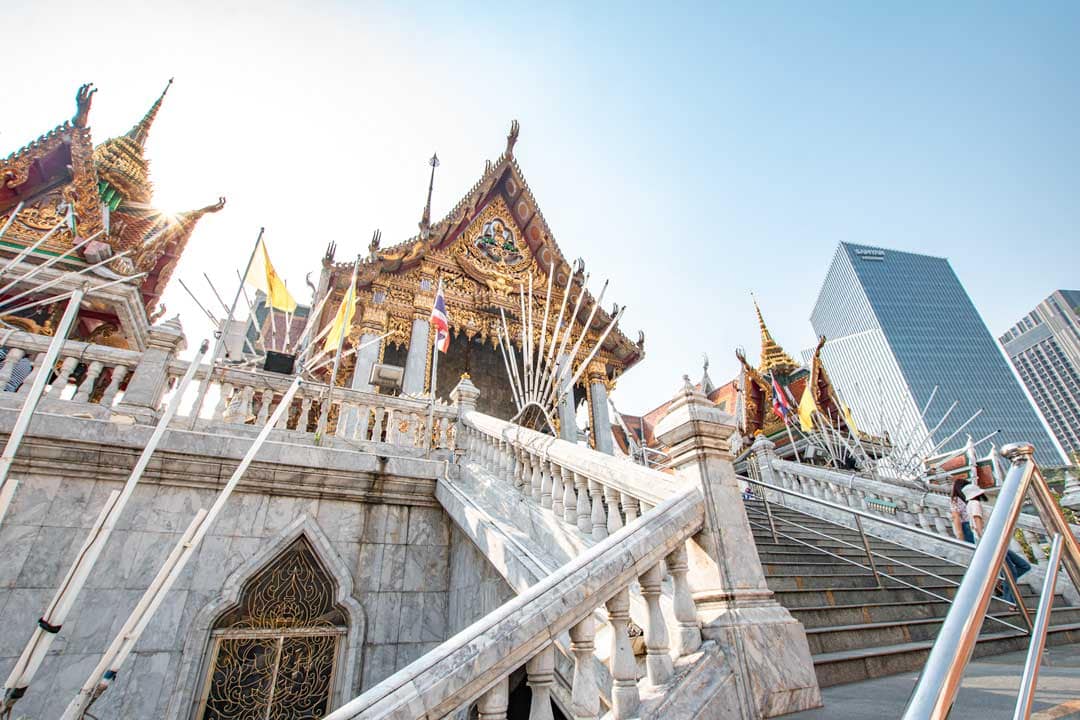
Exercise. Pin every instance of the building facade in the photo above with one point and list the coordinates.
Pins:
(1045, 350)
(900, 325)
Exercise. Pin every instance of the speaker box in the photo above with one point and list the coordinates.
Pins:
(279, 362)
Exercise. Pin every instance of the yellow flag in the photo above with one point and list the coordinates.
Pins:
(807, 406)
(262, 276)
(342, 320)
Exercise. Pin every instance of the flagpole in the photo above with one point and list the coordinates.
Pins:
(324, 414)
(205, 384)
(434, 376)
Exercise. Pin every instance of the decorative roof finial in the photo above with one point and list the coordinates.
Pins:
(773, 356)
(82, 104)
(511, 139)
(425, 219)
(141, 129)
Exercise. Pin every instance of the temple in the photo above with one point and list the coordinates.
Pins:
(69, 205)
(493, 243)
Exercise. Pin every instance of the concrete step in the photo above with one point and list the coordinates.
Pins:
(834, 566)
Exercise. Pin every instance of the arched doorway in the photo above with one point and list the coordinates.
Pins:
(273, 653)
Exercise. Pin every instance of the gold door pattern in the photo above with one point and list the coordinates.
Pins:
(273, 654)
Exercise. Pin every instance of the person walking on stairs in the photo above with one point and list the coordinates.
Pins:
(1017, 564)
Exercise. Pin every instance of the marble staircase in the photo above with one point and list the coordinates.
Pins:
(857, 630)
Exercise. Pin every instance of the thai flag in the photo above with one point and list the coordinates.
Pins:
(440, 321)
(780, 404)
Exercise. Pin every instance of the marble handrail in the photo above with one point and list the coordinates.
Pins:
(476, 663)
(929, 510)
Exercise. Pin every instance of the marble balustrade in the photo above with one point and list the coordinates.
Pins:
(474, 665)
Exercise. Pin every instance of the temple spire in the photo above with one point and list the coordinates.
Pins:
(773, 356)
(141, 129)
(425, 219)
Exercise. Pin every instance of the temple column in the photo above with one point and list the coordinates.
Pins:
(372, 325)
(735, 606)
(567, 418)
(148, 383)
(598, 396)
(420, 338)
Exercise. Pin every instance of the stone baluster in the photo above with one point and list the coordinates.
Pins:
(599, 518)
(109, 396)
(556, 489)
(13, 357)
(376, 429)
(305, 414)
(687, 628)
(942, 522)
(61, 380)
(247, 401)
(363, 424)
(657, 661)
(585, 693)
(584, 507)
(614, 519)
(223, 402)
(267, 400)
(1035, 543)
(545, 484)
(537, 485)
(521, 468)
(39, 360)
(569, 496)
(493, 703)
(540, 676)
(142, 399)
(621, 662)
(86, 387)
(630, 508)
(391, 423)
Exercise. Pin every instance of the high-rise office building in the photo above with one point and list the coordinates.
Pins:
(900, 325)
(1045, 349)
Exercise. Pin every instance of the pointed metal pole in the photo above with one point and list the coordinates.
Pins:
(26, 413)
(324, 413)
(57, 611)
(205, 384)
(10, 221)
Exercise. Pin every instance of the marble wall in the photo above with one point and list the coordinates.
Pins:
(476, 588)
(393, 559)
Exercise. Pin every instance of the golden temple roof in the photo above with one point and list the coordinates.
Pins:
(120, 161)
(773, 356)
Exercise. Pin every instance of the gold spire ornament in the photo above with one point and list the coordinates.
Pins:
(120, 161)
(773, 356)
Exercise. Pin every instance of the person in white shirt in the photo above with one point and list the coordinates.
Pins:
(977, 517)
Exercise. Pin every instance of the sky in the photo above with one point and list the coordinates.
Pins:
(692, 154)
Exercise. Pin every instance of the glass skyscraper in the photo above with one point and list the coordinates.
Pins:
(898, 324)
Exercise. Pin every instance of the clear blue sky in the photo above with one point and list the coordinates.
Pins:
(689, 153)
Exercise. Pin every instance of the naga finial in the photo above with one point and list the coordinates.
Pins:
(425, 219)
(83, 98)
(512, 138)
(705, 361)
(373, 246)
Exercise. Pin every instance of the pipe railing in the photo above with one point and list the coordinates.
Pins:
(940, 680)
(865, 548)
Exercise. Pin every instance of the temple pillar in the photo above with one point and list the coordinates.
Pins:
(598, 396)
(735, 606)
(148, 383)
(420, 337)
(372, 325)
(567, 416)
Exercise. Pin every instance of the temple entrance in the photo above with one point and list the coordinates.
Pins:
(273, 655)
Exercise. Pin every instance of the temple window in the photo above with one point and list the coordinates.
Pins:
(273, 655)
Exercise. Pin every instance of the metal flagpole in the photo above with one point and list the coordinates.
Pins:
(57, 611)
(22, 422)
(434, 376)
(225, 307)
(205, 384)
(350, 297)
(174, 565)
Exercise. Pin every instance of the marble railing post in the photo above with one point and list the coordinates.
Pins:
(118, 374)
(688, 631)
(557, 491)
(86, 387)
(585, 693)
(492, 704)
(734, 603)
(584, 507)
(630, 508)
(569, 496)
(657, 661)
(59, 383)
(145, 389)
(614, 519)
(545, 483)
(540, 676)
(625, 698)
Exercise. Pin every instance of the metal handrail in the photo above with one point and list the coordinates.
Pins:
(872, 567)
(1030, 677)
(1019, 603)
(940, 679)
